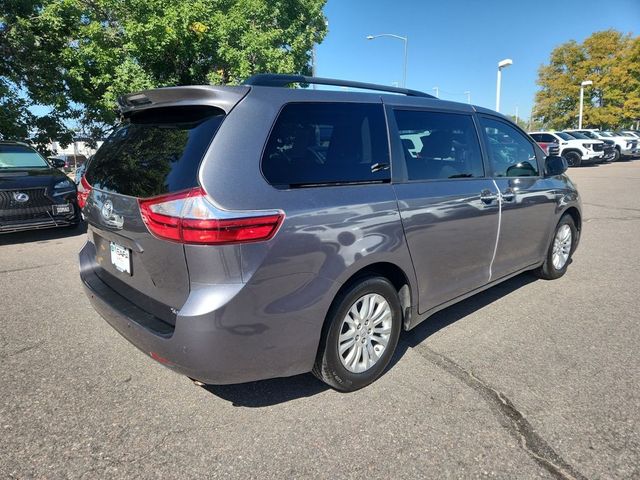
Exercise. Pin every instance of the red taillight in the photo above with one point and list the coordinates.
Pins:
(188, 217)
(84, 189)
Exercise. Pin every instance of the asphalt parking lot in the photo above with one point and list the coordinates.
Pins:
(531, 379)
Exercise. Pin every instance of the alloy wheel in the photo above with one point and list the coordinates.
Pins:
(561, 247)
(364, 333)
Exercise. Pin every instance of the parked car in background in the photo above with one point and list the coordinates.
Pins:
(33, 194)
(260, 231)
(631, 142)
(575, 152)
(625, 146)
(549, 148)
(630, 133)
(71, 162)
(608, 146)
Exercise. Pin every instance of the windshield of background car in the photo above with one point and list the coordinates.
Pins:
(564, 136)
(605, 134)
(155, 152)
(17, 156)
(579, 135)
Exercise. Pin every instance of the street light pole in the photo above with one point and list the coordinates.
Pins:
(437, 90)
(468, 94)
(406, 42)
(582, 85)
(502, 64)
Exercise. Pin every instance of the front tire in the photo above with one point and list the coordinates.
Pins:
(574, 159)
(617, 155)
(560, 251)
(360, 335)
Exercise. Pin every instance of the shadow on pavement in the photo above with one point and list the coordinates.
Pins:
(29, 236)
(265, 393)
(458, 311)
(269, 392)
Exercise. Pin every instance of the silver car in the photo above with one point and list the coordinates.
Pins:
(258, 231)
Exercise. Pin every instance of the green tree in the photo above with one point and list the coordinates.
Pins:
(521, 122)
(75, 57)
(608, 58)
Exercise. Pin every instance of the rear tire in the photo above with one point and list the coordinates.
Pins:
(360, 335)
(573, 159)
(560, 250)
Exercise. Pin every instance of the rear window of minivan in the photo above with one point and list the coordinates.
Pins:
(314, 144)
(156, 151)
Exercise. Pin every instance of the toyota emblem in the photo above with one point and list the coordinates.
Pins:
(20, 197)
(107, 210)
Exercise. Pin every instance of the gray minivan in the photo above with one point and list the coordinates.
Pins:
(258, 231)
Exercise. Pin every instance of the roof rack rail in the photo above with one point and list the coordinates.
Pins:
(283, 80)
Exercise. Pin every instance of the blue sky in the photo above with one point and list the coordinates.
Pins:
(456, 44)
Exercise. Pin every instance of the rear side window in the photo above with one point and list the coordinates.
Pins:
(314, 144)
(439, 145)
(155, 152)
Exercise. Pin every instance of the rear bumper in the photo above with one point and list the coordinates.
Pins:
(222, 334)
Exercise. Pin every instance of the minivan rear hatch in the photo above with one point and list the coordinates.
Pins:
(155, 151)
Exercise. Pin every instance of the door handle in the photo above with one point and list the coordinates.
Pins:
(487, 196)
(509, 195)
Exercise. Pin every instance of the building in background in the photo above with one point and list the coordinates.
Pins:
(80, 146)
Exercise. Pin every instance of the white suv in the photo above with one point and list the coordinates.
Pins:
(575, 152)
(626, 146)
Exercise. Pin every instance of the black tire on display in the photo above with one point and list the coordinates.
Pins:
(364, 321)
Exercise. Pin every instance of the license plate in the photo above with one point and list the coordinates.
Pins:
(61, 209)
(121, 258)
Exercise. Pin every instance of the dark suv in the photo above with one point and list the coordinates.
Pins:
(242, 233)
(33, 193)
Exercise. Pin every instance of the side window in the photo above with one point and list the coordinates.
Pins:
(439, 145)
(544, 137)
(510, 152)
(314, 144)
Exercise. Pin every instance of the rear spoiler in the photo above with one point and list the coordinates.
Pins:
(224, 98)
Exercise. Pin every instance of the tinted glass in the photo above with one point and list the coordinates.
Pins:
(327, 143)
(564, 136)
(439, 145)
(510, 152)
(590, 134)
(544, 137)
(578, 135)
(16, 156)
(156, 152)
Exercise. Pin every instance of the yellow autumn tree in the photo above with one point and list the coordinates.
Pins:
(611, 60)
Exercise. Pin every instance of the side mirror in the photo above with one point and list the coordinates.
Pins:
(59, 163)
(554, 165)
